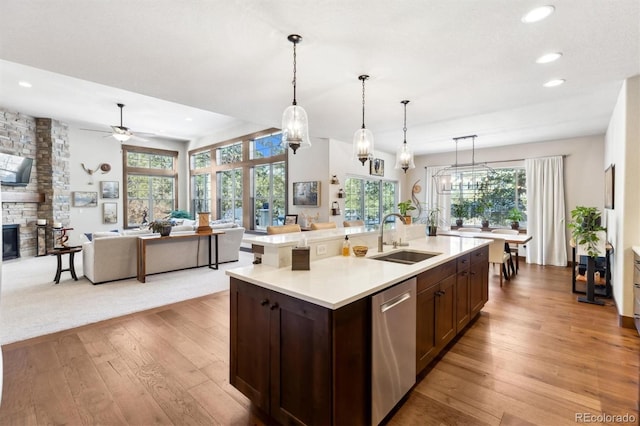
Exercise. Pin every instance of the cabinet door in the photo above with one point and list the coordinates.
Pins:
(477, 284)
(462, 299)
(446, 312)
(249, 338)
(425, 327)
(301, 357)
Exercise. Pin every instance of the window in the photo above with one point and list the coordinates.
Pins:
(490, 196)
(230, 195)
(150, 184)
(369, 199)
(250, 179)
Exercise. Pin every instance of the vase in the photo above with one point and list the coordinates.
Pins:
(165, 231)
(432, 230)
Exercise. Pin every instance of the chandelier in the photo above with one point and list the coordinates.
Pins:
(463, 178)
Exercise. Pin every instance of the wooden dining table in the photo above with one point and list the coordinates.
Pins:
(515, 239)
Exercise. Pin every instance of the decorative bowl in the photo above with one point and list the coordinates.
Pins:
(360, 251)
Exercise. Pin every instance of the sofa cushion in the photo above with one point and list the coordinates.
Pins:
(179, 228)
(136, 232)
(105, 234)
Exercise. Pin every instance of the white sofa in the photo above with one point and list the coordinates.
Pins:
(113, 256)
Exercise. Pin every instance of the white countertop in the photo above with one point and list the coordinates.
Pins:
(339, 280)
(293, 238)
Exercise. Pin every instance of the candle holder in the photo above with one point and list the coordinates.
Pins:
(203, 223)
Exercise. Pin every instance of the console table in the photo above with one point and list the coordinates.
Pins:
(143, 240)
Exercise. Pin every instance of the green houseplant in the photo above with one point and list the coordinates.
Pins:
(515, 216)
(459, 211)
(405, 207)
(432, 221)
(585, 228)
(163, 226)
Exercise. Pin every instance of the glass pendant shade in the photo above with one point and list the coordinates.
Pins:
(363, 145)
(122, 137)
(404, 158)
(295, 128)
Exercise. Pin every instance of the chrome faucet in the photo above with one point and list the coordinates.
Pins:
(384, 219)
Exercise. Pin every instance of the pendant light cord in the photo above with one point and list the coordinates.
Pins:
(404, 129)
(294, 73)
(363, 78)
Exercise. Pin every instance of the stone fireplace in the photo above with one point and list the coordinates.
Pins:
(47, 196)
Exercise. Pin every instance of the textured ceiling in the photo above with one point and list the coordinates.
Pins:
(467, 66)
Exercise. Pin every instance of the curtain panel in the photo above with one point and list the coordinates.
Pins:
(546, 211)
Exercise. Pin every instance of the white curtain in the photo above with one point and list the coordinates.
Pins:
(435, 200)
(545, 211)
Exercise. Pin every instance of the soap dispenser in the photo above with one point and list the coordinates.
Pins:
(346, 246)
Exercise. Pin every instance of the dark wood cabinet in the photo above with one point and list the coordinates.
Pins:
(478, 280)
(298, 362)
(463, 308)
(449, 296)
(436, 309)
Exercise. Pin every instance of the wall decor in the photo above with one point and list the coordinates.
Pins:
(109, 212)
(85, 199)
(376, 167)
(110, 189)
(609, 187)
(306, 193)
(290, 219)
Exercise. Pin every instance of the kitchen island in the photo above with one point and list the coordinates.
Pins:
(301, 340)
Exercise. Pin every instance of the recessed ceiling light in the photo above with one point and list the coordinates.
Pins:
(24, 84)
(538, 14)
(554, 83)
(549, 57)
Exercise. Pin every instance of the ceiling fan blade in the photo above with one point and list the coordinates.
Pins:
(94, 130)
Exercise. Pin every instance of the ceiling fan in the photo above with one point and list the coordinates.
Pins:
(122, 133)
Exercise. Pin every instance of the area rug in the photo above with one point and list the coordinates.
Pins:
(32, 305)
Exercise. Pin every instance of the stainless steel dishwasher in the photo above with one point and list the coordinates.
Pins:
(393, 358)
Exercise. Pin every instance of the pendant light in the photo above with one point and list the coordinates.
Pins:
(363, 138)
(295, 125)
(404, 156)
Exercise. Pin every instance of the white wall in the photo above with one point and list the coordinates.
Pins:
(583, 167)
(92, 149)
(622, 148)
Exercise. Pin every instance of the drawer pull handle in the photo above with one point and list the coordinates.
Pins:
(274, 306)
(264, 302)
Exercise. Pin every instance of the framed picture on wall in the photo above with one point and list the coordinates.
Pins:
(306, 194)
(85, 199)
(109, 189)
(110, 213)
(609, 187)
(376, 167)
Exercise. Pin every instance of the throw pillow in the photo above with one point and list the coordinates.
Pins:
(105, 234)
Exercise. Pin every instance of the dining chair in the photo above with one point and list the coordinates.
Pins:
(283, 229)
(498, 255)
(322, 225)
(348, 223)
(469, 230)
(513, 250)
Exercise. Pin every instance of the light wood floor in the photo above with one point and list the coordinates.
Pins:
(534, 356)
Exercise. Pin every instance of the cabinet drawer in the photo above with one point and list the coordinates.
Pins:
(464, 261)
(435, 275)
(480, 256)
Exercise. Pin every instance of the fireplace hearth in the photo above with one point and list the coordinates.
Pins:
(10, 242)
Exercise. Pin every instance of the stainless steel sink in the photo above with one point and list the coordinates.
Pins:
(408, 257)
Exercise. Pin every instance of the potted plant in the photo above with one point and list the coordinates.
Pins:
(585, 228)
(405, 207)
(432, 221)
(163, 226)
(459, 211)
(515, 216)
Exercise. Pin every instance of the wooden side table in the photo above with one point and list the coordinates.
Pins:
(71, 251)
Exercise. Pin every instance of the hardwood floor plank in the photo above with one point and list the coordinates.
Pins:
(136, 404)
(52, 399)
